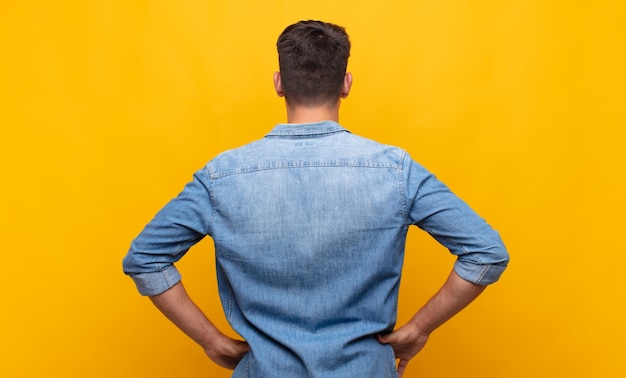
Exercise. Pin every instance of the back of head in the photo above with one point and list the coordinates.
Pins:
(313, 57)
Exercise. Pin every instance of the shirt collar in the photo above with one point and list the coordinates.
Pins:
(306, 129)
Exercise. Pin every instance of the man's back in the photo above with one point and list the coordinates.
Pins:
(309, 226)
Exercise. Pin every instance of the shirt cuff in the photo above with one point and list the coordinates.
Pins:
(155, 283)
(478, 274)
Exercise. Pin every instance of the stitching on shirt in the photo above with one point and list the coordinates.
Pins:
(304, 133)
(401, 188)
(213, 202)
(228, 308)
(309, 129)
(483, 273)
(167, 278)
(245, 368)
(301, 164)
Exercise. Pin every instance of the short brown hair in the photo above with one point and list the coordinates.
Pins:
(313, 58)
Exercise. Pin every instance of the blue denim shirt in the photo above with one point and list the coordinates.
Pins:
(309, 226)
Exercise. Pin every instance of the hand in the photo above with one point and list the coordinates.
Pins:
(227, 352)
(406, 342)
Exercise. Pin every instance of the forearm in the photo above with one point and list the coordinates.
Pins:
(178, 307)
(454, 295)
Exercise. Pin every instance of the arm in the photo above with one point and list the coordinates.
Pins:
(178, 307)
(408, 340)
(179, 225)
(481, 258)
(184, 221)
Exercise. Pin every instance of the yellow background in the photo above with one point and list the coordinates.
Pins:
(107, 108)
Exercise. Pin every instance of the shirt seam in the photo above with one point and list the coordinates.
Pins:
(212, 200)
(401, 188)
(305, 134)
(300, 164)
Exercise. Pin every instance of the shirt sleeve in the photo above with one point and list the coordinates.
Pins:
(481, 254)
(183, 222)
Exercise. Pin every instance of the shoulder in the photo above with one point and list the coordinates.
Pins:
(380, 151)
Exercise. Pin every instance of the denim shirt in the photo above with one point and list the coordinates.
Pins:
(309, 226)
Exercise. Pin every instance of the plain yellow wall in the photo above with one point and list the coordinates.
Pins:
(108, 107)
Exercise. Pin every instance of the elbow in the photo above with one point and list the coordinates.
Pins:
(494, 252)
(128, 265)
(133, 263)
(498, 261)
(138, 261)
(501, 256)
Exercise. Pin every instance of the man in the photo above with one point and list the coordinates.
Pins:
(309, 226)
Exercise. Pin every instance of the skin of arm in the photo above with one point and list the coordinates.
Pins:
(406, 341)
(178, 307)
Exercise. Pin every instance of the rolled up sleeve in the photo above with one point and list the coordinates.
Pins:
(183, 222)
(156, 282)
(481, 254)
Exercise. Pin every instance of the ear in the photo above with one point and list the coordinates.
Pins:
(278, 86)
(347, 84)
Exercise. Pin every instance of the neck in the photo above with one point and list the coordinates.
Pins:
(304, 114)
